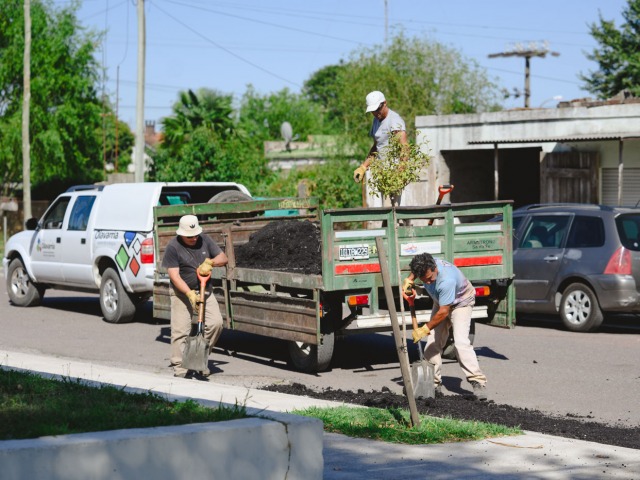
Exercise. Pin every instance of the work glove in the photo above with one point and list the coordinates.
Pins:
(209, 261)
(419, 333)
(193, 299)
(407, 286)
(205, 269)
(411, 299)
(358, 173)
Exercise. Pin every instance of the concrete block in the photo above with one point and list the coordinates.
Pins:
(284, 446)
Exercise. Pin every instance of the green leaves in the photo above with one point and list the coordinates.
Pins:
(617, 56)
(396, 166)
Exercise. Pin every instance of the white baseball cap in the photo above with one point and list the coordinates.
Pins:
(374, 99)
(188, 226)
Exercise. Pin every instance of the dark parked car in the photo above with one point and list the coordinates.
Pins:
(578, 260)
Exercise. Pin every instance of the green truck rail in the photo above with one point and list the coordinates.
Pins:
(310, 311)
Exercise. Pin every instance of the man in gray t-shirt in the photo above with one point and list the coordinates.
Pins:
(386, 123)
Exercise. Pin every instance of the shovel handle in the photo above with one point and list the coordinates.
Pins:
(442, 191)
(203, 282)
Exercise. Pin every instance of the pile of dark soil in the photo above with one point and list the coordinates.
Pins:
(283, 245)
(464, 408)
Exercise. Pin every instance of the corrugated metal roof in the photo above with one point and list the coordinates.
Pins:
(567, 139)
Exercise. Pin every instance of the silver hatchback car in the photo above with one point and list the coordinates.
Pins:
(578, 260)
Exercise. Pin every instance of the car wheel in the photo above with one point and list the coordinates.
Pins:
(115, 302)
(449, 350)
(230, 196)
(312, 358)
(579, 309)
(22, 291)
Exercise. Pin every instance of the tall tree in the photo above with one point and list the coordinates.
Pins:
(418, 77)
(618, 56)
(202, 142)
(65, 107)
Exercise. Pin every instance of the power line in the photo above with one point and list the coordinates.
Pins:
(242, 59)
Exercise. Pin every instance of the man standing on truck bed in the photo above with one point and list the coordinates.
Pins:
(386, 123)
(187, 252)
(453, 300)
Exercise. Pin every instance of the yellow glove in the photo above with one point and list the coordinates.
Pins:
(209, 261)
(358, 173)
(193, 299)
(421, 332)
(407, 286)
(205, 269)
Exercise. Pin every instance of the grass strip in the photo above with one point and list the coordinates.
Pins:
(32, 406)
(394, 425)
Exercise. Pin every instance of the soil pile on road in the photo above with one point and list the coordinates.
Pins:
(283, 245)
(464, 408)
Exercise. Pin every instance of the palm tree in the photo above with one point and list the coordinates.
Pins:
(206, 109)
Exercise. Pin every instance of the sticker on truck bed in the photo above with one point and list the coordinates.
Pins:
(415, 248)
(353, 252)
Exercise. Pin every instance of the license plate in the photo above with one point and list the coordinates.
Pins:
(354, 252)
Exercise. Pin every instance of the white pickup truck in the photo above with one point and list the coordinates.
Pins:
(99, 238)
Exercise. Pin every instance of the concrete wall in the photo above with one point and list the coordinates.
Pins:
(283, 446)
(533, 126)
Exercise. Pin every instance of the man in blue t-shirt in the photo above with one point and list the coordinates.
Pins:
(453, 300)
(386, 123)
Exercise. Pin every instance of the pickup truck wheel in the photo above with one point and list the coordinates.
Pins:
(116, 305)
(579, 309)
(449, 350)
(312, 358)
(22, 291)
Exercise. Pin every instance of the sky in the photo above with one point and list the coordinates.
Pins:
(272, 44)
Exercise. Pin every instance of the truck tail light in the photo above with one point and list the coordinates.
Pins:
(619, 263)
(483, 291)
(146, 252)
(358, 300)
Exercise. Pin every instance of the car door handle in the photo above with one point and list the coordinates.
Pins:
(83, 241)
(57, 239)
(551, 258)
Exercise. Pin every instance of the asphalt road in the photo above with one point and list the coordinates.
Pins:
(536, 365)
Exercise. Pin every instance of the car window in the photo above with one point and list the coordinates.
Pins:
(586, 232)
(55, 216)
(629, 230)
(545, 231)
(80, 212)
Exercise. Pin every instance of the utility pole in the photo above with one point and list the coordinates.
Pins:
(531, 50)
(386, 22)
(138, 159)
(26, 101)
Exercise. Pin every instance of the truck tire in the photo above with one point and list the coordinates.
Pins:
(22, 291)
(449, 350)
(312, 358)
(115, 303)
(230, 196)
(579, 309)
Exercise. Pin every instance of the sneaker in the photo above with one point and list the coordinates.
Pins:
(438, 390)
(184, 374)
(479, 391)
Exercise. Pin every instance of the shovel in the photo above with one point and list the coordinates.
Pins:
(421, 372)
(196, 351)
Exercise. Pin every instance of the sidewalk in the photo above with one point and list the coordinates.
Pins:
(530, 456)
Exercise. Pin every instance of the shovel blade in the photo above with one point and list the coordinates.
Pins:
(422, 377)
(195, 354)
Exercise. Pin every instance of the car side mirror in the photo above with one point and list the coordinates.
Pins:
(31, 224)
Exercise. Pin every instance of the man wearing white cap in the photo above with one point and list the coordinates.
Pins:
(187, 253)
(386, 123)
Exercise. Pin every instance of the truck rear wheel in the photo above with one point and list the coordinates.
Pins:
(312, 358)
(115, 303)
(22, 291)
